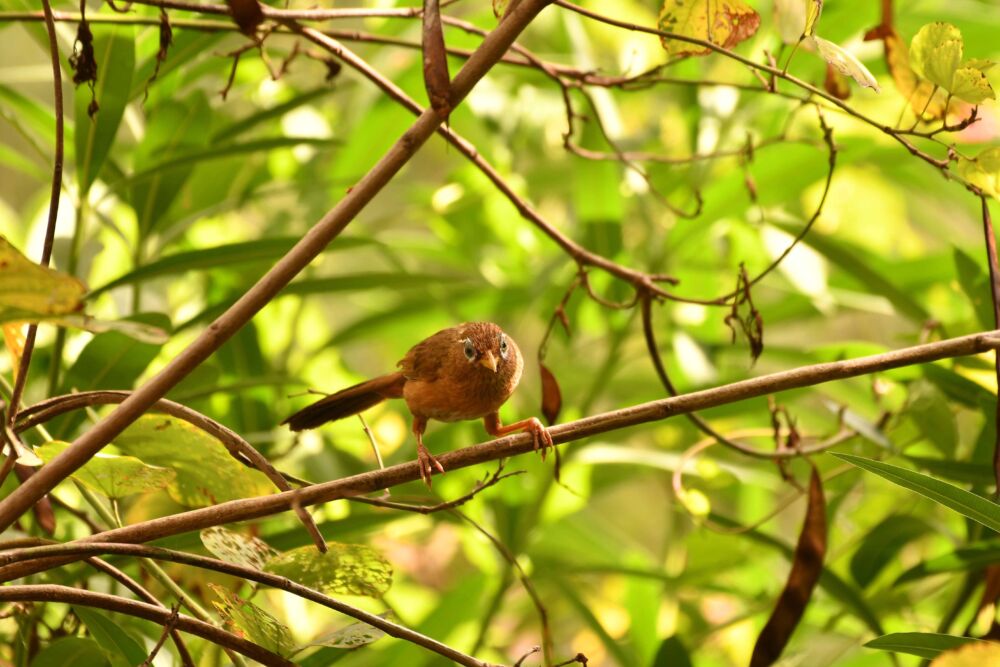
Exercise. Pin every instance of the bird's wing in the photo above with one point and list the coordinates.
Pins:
(425, 359)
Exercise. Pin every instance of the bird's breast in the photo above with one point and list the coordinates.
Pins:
(450, 399)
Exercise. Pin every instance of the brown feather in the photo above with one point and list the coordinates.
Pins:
(347, 402)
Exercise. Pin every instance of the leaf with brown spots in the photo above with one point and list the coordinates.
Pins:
(722, 22)
(807, 565)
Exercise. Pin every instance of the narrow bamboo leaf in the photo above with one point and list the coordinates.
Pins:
(272, 113)
(807, 565)
(233, 547)
(976, 286)
(930, 411)
(114, 49)
(118, 645)
(964, 559)
(206, 473)
(865, 270)
(28, 114)
(113, 476)
(260, 250)
(188, 47)
(958, 471)
(175, 128)
(922, 644)
(251, 622)
(968, 504)
(882, 544)
(353, 569)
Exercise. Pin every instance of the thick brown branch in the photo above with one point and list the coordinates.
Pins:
(376, 480)
(88, 444)
(65, 551)
(54, 593)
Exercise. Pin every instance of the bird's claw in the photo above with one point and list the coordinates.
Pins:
(427, 464)
(541, 439)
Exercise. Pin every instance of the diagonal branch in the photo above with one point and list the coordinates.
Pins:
(376, 480)
(334, 222)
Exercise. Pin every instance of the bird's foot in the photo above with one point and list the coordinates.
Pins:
(427, 464)
(541, 439)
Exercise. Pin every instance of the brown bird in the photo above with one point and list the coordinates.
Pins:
(465, 372)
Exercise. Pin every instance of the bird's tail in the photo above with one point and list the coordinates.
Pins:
(347, 402)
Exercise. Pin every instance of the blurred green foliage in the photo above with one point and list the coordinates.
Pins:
(176, 200)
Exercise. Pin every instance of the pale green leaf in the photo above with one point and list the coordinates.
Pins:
(206, 473)
(971, 85)
(351, 636)
(233, 547)
(30, 292)
(113, 476)
(354, 569)
(845, 62)
(936, 52)
(247, 620)
(983, 171)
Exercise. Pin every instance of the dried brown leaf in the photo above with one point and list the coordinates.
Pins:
(551, 395)
(807, 565)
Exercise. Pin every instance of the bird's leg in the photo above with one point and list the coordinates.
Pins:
(424, 458)
(540, 437)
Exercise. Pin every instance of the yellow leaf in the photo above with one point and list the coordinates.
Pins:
(983, 171)
(13, 336)
(973, 654)
(29, 291)
(722, 22)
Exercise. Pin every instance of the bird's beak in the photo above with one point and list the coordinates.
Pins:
(489, 361)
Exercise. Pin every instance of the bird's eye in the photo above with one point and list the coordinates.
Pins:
(503, 346)
(470, 349)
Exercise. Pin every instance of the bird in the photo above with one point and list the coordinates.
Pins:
(460, 373)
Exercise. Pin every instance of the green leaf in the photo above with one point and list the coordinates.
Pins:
(928, 408)
(958, 471)
(975, 283)
(206, 473)
(968, 504)
(113, 476)
(113, 360)
(845, 62)
(232, 254)
(120, 647)
(922, 644)
(233, 547)
(672, 653)
(251, 622)
(71, 652)
(936, 52)
(970, 84)
(964, 559)
(983, 171)
(269, 114)
(351, 636)
(353, 569)
(30, 292)
(174, 129)
(114, 49)
(882, 544)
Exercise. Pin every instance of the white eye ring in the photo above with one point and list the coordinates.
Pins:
(470, 349)
(503, 346)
